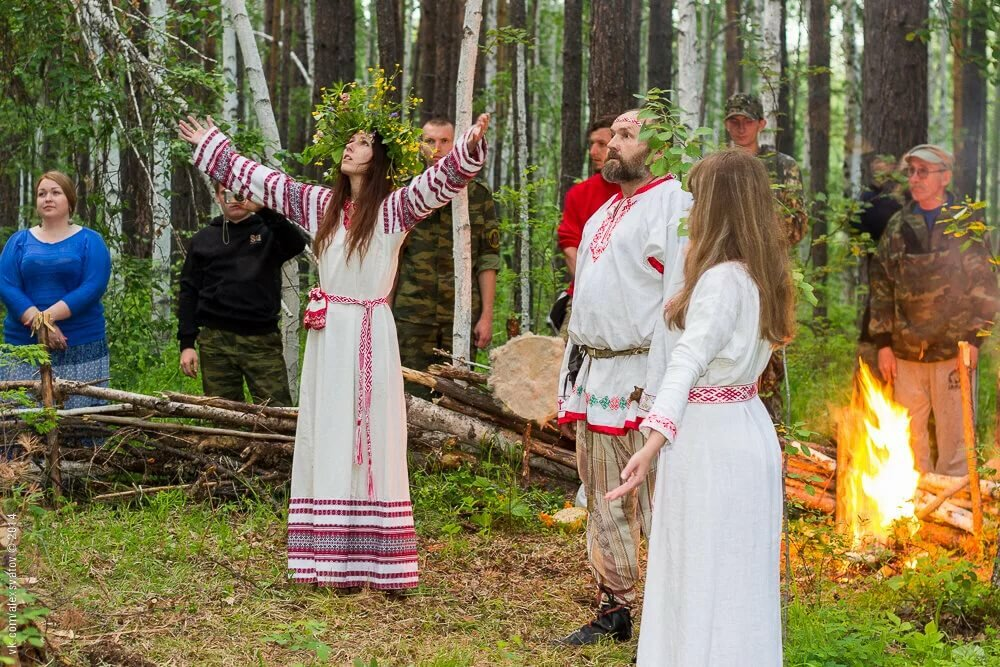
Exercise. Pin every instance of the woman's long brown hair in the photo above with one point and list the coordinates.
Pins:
(375, 187)
(734, 219)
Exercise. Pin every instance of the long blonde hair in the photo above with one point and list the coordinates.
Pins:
(734, 219)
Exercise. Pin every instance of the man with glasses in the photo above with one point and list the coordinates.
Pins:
(230, 298)
(932, 286)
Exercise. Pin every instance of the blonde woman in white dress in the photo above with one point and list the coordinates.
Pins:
(712, 583)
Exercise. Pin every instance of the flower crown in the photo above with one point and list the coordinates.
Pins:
(349, 108)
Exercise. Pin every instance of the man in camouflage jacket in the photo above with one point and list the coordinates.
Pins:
(932, 286)
(424, 302)
(744, 122)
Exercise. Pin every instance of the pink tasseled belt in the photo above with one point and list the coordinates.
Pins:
(315, 318)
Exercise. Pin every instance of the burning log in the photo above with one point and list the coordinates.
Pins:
(945, 494)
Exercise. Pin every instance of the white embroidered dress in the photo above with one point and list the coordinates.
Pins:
(350, 521)
(712, 595)
(627, 255)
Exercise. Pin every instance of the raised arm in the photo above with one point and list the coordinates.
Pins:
(301, 203)
(439, 184)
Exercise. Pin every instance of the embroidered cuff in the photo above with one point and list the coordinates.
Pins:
(664, 425)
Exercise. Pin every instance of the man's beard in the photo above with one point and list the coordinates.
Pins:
(619, 170)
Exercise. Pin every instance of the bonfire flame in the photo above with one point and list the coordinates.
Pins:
(876, 479)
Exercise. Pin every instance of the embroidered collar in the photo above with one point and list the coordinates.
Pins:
(618, 209)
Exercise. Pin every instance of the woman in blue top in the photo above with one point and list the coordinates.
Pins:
(57, 271)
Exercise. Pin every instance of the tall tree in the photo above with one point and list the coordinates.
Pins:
(852, 101)
(335, 43)
(461, 344)
(819, 134)
(691, 65)
(734, 47)
(572, 84)
(660, 52)
(771, 64)
(894, 78)
(438, 44)
(519, 20)
(390, 41)
(969, 20)
(607, 87)
(785, 141)
(631, 44)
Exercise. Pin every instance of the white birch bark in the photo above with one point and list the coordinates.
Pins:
(852, 84)
(771, 64)
(269, 128)
(489, 78)
(231, 99)
(310, 34)
(690, 65)
(162, 230)
(407, 63)
(522, 170)
(461, 345)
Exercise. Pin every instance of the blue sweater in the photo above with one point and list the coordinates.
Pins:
(75, 270)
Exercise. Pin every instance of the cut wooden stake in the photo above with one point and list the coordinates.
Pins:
(970, 437)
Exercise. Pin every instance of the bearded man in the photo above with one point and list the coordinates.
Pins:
(623, 273)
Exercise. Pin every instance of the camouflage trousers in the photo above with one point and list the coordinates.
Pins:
(613, 527)
(772, 387)
(227, 359)
(416, 348)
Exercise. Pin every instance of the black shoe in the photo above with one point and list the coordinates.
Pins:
(613, 620)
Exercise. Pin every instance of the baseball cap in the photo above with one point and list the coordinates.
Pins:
(744, 104)
(930, 153)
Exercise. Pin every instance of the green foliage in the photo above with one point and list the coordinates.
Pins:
(947, 590)
(349, 108)
(481, 499)
(304, 636)
(673, 148)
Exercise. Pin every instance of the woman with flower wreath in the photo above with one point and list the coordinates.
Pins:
(350, 521)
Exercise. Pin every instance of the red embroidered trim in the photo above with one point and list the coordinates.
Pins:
(661, 423)
(736, 393)
(619, 208)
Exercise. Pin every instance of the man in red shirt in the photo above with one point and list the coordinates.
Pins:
(584, 198)
(582, 201)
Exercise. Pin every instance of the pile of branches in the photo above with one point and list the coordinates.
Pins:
(138, 444)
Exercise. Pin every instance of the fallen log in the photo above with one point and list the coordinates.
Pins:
(455, 373)
(944, 495)
(187, 428)
(947, 512)
(175, 409)
(478, 434)
(239, 406)
(511, 422)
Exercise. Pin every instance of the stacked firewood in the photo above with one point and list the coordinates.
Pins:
(943, 503)
(206, 444)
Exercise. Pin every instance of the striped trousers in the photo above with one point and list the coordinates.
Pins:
(613, 528)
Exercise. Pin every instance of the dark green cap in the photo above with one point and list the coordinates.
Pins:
(744, 104)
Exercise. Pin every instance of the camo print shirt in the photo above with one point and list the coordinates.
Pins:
(931, 288)
(425, 291)
(784, 172)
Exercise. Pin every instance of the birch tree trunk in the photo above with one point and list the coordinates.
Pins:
(771, 62)
(521, 132)
(852, 101)
(734, 47)
(690, 64)
(272, 144)
(461, 345)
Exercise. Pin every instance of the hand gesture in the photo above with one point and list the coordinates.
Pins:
(637, 469)
(479, 131)
(887, 365)
(189, 362)
(251, 206)
(194, 130)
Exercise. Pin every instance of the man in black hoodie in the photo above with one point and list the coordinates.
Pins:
(230, 297)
